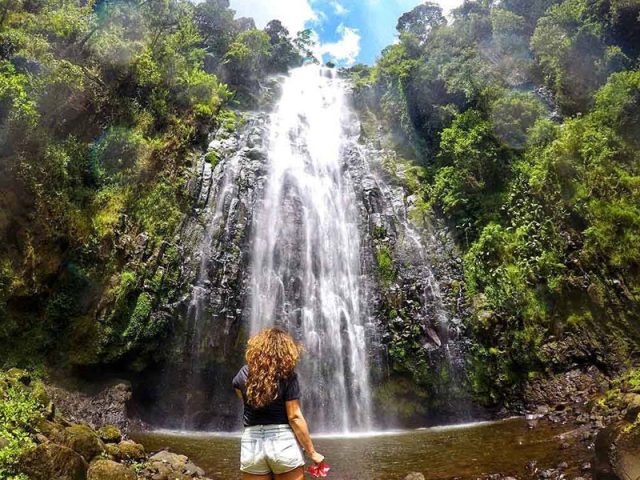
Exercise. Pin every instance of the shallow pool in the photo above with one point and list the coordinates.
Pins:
(465, 451)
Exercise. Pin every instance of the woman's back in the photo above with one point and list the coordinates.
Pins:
(274, 413)
(275, 430)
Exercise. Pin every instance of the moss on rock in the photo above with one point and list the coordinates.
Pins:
(50, 460)
(85, 441)
(110, 434)
(110, 470)
(128, 451)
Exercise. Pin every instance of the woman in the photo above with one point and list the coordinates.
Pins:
(273, 421)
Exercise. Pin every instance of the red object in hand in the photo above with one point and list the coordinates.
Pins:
(321, 470)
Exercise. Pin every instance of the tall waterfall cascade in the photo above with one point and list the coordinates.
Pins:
(289, 225)
(305, 264)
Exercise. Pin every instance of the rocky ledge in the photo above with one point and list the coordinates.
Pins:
(50, 445)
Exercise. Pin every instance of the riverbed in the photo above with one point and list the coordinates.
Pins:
(462, 451)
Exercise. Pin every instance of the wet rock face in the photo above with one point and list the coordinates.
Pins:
(568, 388)
(193, 388)
(108, 407)
(415, 285)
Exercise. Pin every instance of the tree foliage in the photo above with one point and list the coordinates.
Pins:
(526, 117)
(103, 104)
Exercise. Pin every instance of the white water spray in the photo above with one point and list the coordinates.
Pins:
(306, 253)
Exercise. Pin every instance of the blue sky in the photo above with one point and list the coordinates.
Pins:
(348, 31)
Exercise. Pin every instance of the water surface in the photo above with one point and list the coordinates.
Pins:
(464, 452)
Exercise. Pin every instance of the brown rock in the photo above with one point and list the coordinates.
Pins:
(632, 401)
(617, 453)
(52, 430)
(51, 461)
(414, 476)
(82, 439)
(166, 465)
(157, 471)
(627, 464)
(110, 470)
(169, 458)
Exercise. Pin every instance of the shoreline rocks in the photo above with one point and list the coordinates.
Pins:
(65, 448)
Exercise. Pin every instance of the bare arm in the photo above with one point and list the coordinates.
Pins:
(301, 430)
(238, 393)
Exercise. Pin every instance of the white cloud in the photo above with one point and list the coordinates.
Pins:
(448, 5)
(345, 50)
(338, 8)
(294, 14)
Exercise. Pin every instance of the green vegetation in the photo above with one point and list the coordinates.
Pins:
(526, 118)
(103, 107)
(386, 268)
(20, 410)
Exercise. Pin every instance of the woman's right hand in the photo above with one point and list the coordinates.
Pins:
(317, 458)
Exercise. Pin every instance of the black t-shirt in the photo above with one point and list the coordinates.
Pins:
(274, 413)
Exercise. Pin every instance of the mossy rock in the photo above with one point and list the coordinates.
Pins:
(110, 434)
(51, 461)
(16, 375)
(52, 430)
(39, 392)
(127, 450)
(110, 470)
(82, 439)
(112, 450)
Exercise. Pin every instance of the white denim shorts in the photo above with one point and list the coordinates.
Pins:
(266, 449)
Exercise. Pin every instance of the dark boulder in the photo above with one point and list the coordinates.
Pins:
(51, 461)
(83, 440)
(617, 453)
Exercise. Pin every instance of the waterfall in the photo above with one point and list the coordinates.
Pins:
(305, 264)
(286, 230)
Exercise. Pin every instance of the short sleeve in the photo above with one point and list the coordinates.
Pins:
(240, 379)
(292, 388)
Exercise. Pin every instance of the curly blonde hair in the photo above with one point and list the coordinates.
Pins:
(272, 356)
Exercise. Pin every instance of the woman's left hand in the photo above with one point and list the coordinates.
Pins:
(316, 457)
